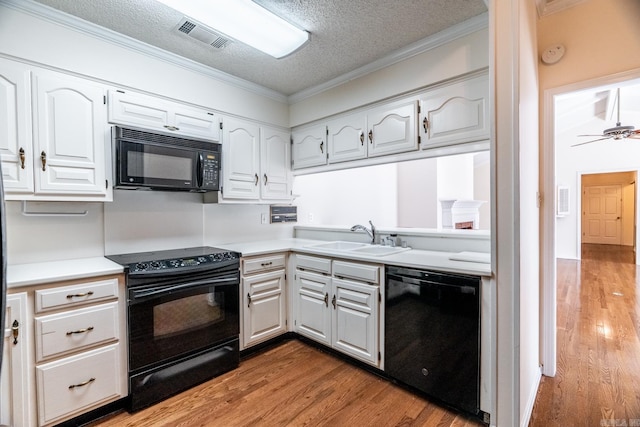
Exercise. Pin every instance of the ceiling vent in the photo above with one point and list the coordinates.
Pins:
(202, 33)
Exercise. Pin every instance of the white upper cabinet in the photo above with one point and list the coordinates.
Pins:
(134, 109)
(15, 127)
(275, 164)
(455, 113)
(256, 162)
(392, 128)
(240, 159)
(309, 147)
(69, 135)
(346, 138)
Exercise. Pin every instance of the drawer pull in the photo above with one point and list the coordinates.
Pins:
(266, 264)
(84, 294)
(80, 331)
(248, 299)
(326, 300)
(333, 301)
(89, 381)
(15, 331)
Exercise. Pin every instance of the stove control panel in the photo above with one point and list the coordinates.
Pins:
(182, 263)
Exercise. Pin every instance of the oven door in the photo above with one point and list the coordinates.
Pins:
(168, 321)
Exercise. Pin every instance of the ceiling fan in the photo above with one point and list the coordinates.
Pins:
(616, 132)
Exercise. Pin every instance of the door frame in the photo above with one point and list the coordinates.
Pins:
(548, 346)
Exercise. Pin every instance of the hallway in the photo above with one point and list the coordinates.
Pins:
(598, 377)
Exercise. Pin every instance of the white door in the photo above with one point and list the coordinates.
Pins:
(601, 214)
(240, 159)
(309, 147)
(69, 132)
(275, 162)
(313, 317)
(346, 136)
(15, 380)
(355, 319)
(16, 149)
(392, 128)
(264, 307)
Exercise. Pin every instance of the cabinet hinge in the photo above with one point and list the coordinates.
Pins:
(419, 110)
(286, 322)
(379, 356)
(211, 114)
(104, 99)
(220, 125)
(419, 140)
(106, 184)
(379, 298)
(119, 91)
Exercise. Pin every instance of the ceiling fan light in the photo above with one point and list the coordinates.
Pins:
(246, 22)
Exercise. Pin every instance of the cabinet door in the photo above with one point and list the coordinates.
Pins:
(392, 128)
(309, 147)
(275, 162)
(240, 159)
(15, 404)
(16, 150)
(346, 136)
(455, 113)
(313, 317)
(355, 320)
(70, 133)
(264, 307)
(133, 109)
(196, 122)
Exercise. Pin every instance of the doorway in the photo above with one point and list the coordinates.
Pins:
(564, 163)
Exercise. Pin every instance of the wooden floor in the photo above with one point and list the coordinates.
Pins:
(598, 343)
(293, 384)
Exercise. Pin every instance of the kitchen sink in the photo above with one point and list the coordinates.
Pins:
(358, 248)
(379, 250)
(339, 245)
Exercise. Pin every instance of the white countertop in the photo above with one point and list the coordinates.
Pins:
(20, 275)
(415, 258)
(53, 271)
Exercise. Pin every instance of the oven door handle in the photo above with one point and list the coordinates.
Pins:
(138, 294)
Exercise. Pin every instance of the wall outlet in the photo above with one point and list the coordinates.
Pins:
(263, 218)
(310, 217)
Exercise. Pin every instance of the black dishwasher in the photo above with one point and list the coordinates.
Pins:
(432, 334)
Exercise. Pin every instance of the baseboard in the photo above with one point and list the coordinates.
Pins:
(531, 400)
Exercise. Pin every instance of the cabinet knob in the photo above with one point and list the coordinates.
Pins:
(22, 157)
(43, 158)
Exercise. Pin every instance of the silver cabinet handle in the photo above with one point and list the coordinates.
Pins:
(371, 137)
(22, 157)
(361, 138)
(425, 125)
(15, 331)
(43, 159)
(265, 179)
(257, 179)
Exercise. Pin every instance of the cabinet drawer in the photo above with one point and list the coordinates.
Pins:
(78, 382)
(74, 295)
(60, 333)
(263, 263)
(365, 272)
(322, 265)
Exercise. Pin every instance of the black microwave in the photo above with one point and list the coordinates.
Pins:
(158, 161)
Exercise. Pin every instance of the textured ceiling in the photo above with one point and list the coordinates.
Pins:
(345, 34)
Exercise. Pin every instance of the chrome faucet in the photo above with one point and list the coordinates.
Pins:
(370, 232)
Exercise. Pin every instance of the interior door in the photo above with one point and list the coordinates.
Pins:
(601, 214)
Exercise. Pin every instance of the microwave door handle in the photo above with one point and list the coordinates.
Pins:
(200, 171)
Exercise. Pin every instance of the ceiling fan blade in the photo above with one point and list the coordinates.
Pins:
(589, 142)
(591, 135)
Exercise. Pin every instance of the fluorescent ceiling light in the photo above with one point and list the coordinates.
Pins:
(245, 21)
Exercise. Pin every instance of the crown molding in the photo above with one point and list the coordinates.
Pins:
(548, 7)
(77, 24)
(443, 37)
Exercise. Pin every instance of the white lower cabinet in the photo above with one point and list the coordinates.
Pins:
(263, 298)
(15, 379)
(338, 303)
(80, 351)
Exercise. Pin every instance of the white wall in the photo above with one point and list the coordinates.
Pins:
(458, 57)
(417, 192)
(455, 180)
(529, 215)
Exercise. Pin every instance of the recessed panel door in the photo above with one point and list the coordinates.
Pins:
(601, 214)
